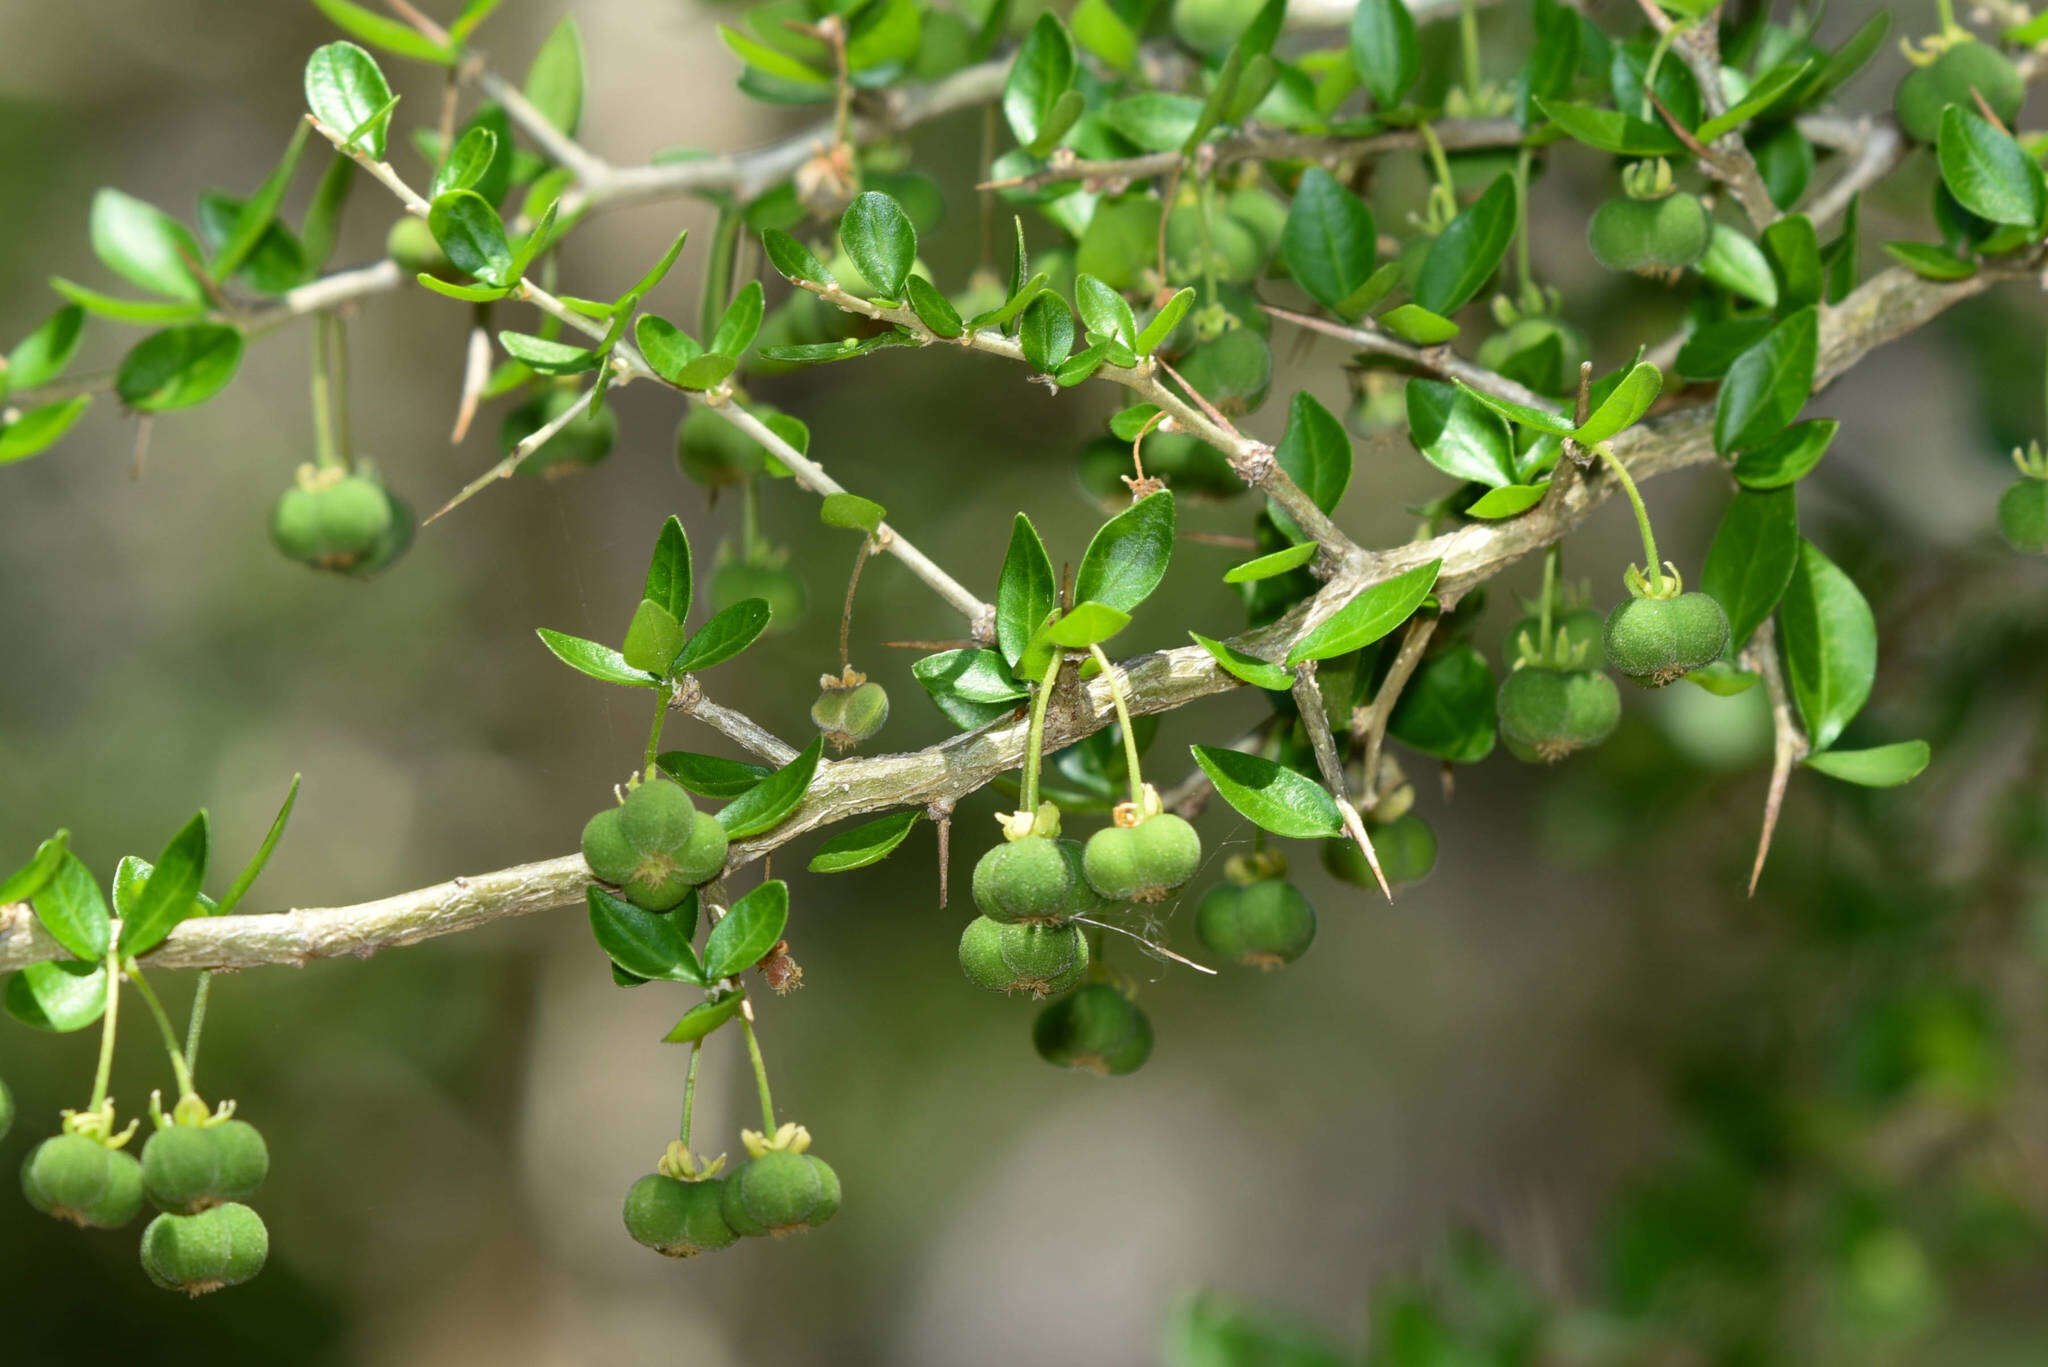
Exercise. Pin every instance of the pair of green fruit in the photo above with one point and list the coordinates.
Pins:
(850, 709)
(1650, 236)
(78, 1178)
(1260, 924)
(221, 1246)
(1656, 640)
(1094, 1029)
(2023, 515)
(655, 845)
(188, 1168)
(778, 1193)
(1962, 73)
(1547, 713)
(342, 521)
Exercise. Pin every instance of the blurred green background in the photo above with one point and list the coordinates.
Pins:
(1805, 1128)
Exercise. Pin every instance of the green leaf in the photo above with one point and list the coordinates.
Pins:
(740, 323)
(774, 62)
(730, 631)
(474, 12)
(1624, 405)
(1787, 457)
(599, 662)
(42, 355)
(345, 89)
(1882, 766)
(971, 687)
(1762, 95)
(933, 309)
(471, 233)
(653, 638)
(179, 367)
(554, 83)
(1414, 323)
(1041, 72)
(743, 937)
(1793, 250)
(35, 431)
(1751, 559)
(1126, 558)
(1768, 384)
(1989, 173)
(1384, 49)
(1829, 639)
(548, 357)
(1459, 435)
(1370, 614)
(173, 886)
(1154, 120)
(1611, 131)
(1542, 419)
(1046, 331)
(1465, 256)
(59, 996)
(476, 151)
(668, 570)
(26, 881)
(665, 346)
(124, 310)
(1164, 322)
(1104, 311)
(323, 216)
(1254, 671)
(1509, 500)
(852, 513)
(1329, 242)
(775, 797)
(658, 272)
(877, 235)
(1025, 592)
(711, 775)
(1738, 265)
(70, 906)
(1722, 678)
(1100, 29)
(703, 1018)
(868, 843)
(647, 944)
(146, 247)
(1271, 795)
(1316, 454)
(1268, 566)
(1930, 262)
(1447, 709)
(400, 40)
(1086, 624)
(252, 870)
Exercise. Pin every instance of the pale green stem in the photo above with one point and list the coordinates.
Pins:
(324, 452)
(200, 993)
(1657, 52)
(1034, 739)
(1635, 498)
(690, 1089)
(661, 701)
(163, 1023)
(1438, 160)
(1523, 270)
(1123, 721)
(1468, 38)
(760, 1075)
(342, 436)
(1550, 559)
(110, 1025)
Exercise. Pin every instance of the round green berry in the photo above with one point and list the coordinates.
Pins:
(703, 854)
(585, 439)
(780, 1193)
(1655, 641)
(1043, 960)
(605, 848)
(1031, 879)
(1097, 1029)
(1406, 848)
(1557, 711)
(217, 1248)
(1263, 925)
(848, 716)
(1142, 863)
(2023, 515)
(244, 1158)
(77, 1178)
(657, 817)
(1958, 76)
(181, 1169)
(658, 884)
(1649, 235)
(677, 1218)
(412, 245)
(335, 522)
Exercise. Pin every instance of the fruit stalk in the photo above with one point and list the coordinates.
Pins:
(179, 1067)
(1034, 737)
(760, 1075)
(1123, 722)
(1654, 567)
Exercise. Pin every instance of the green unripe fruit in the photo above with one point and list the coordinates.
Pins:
(605, 848)
(2023, 515)
(1649, 235)
(411, 244)
(1083, 900)
(1097, 1029)
(181, 1169)
(585, 439)
(1557, 711)
(216, 1248)
(712, 452)
(76, 1178)
(1580, 627)
(1025, 880)
(677, 1218)
(703, 854)
(338, 522)
(1958, 76)
(1655, 641)
(1406, 848)
(657, 817)
(657, 884)
(778, 587)
(848, 716)
(244, 1159)
(1142, 863)
(1041, 960)
(6, 1109)
(780, 1193)
(1263, 925)
(1229, 248)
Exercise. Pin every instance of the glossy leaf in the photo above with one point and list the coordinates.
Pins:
(1793, 251)
(71, 907)
(1989, 173)
(877, 235)
(471, 233)
(647, 944)
(173, 886)
(1040, 73)
(1624, 405)
(345, 89)
(1738, 265)
(1466, 254)
(1542, 419)
(42, 355)
(1268, 566)
(1086, 624)
(253, 870)
(1509, 500)
(1612, 131)
(728, 632)
(1414, 323)
(40, 428)
(1882, 766)
(1751, 559)
(1104, 311)
(554, 82)
(1164, 322)
(599, 662)
(745, 934)
(1768, 384)
(1829, 640)
(764, 806)
(1329, 242)
(1787, 457)
(669, 570)
(1315, 451)
(145, 246)
(1046, 331)
(1370, 614)
(546, 356)
(179, 367)
(1127, 557)
(933, 309)
(1447, 709)
(1271, 795)
(26, 881)
(1384, 49)
(851, 512)
(711, 775)
(1459, 435)
(1250, 668)
(703, 1018)
(58, 996)
(972, 687)
(868, 843)
(1025, 591)
(382, 31)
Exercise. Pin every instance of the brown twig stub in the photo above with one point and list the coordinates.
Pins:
(1789, 743)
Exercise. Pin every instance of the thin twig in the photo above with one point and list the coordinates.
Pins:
(1413, 642)
(1308, 700)
(1789, 743)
